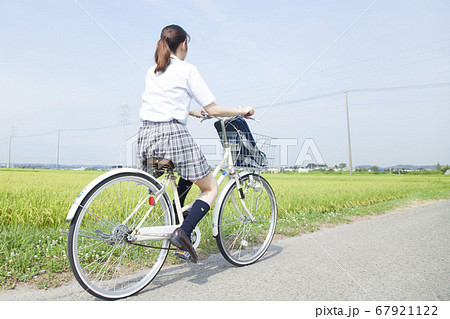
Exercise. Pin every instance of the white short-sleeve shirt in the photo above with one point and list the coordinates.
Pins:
(168, 95)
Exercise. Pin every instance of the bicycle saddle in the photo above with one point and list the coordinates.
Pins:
(157, 166)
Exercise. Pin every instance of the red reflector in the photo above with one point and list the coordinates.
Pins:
(151, 201)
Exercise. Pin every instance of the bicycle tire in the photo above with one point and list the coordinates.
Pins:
(241, 240)
(104, 262)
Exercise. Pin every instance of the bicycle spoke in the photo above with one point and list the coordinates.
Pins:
(110, 267)
(243, 240)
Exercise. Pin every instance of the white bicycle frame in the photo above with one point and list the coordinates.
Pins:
(164, 232)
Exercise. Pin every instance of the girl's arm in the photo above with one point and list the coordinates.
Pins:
(214, 109)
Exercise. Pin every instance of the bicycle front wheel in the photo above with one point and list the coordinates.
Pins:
(102, 255)
(246, 226)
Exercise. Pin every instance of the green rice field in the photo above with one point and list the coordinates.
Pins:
(34, 204)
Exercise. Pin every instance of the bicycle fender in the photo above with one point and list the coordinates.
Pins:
(220, 199)
(77, 202)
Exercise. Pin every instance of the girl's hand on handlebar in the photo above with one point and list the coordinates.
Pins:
(199, 113)
(247, 111)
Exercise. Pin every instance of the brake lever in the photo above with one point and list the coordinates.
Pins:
(206, 117)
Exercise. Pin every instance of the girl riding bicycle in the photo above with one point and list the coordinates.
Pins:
(170, 86)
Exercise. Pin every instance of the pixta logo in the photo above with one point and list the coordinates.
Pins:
(282, 151)
(309, 152)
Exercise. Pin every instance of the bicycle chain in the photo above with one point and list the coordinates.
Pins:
(148, 246)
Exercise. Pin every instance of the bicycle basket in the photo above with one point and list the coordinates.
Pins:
(249, 150)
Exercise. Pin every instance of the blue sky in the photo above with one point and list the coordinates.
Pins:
(58, 70)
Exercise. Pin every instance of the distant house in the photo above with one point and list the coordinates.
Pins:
(313, 167)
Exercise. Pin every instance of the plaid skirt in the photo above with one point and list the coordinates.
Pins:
(171, 141)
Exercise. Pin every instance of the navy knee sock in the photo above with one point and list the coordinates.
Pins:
(198, 210)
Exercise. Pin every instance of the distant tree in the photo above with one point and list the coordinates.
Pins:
(342, 165)
(445, 168)
(438, 167)
(374, 169)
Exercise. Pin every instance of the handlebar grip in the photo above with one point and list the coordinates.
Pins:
(209, 117)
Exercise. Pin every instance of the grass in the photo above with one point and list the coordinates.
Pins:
(34, 203)
(310, 200)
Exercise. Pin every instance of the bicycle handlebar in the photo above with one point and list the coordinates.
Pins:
(209, 117)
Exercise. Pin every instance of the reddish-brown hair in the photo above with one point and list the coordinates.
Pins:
(171, 38)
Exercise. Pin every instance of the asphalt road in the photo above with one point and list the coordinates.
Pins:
(402, 256)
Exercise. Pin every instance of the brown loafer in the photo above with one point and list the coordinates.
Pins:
(180, 240)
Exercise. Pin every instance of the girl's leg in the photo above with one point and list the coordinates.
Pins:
(209, 190)
(181, 236)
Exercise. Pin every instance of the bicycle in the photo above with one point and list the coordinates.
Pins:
(121, 222)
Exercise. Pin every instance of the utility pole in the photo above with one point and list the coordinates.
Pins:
(124, 115)
(57, 152)
(10, 146)
(348, 134)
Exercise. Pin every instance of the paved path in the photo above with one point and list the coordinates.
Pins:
(402, 255)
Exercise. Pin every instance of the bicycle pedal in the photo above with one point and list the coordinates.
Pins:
(183, 255)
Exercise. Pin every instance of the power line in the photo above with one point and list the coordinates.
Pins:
(397, 88)
(99, 128)
(319, 57)
(73, 130)
(279, 83)
(364, 90)
(323, 76)
(382, 57)
(311, 98)
(37, 134)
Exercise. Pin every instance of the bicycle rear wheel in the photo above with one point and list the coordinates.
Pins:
(103, 259)
(244, 236)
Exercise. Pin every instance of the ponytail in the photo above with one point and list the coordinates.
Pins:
(171, 38)
(162, 55)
